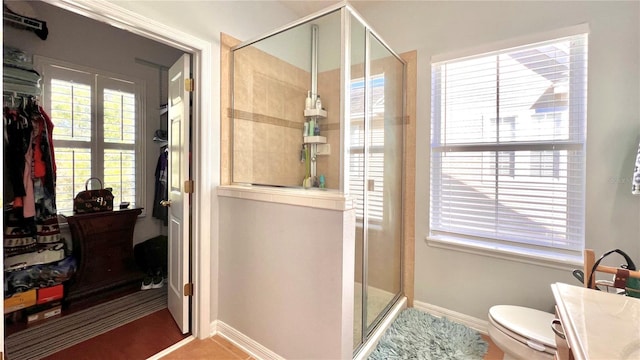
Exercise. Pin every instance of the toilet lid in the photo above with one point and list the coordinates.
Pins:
(529, 323)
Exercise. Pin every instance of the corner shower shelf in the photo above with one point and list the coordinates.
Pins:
(315, 112)
(315, 139)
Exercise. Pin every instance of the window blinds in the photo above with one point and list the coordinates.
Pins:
(508, 145)
(71, 106)
(375, 177)
(119, 117)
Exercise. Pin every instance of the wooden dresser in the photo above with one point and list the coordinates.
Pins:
(103, 246)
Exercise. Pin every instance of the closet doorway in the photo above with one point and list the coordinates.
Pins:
(99, 13)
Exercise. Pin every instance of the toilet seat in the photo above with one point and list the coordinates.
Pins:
(522, 332)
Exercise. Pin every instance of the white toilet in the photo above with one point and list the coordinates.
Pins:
(522, 333)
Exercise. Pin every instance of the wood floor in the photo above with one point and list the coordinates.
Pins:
(138, 339)
(150, 335)
(494, 352)
(215, 347)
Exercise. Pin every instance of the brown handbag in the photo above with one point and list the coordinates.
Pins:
(90, 201)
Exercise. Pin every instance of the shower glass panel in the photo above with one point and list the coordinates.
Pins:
(271, 80)
(356, 166)
(384, 150)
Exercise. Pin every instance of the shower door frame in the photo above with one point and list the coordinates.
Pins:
(367, 330)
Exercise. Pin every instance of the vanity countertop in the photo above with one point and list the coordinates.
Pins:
(597, 324)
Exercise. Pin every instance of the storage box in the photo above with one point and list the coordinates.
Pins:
(20, 301)
(51, 293)
(44, 315)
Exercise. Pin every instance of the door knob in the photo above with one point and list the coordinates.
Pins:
(165, 203)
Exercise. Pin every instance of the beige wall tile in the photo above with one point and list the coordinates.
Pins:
(272, 94)
(226, 42)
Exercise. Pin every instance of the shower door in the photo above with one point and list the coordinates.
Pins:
(379, 134)
(384, 178)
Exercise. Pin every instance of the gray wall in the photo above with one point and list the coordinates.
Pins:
(82, 41)
(450, 278)
(282, 271)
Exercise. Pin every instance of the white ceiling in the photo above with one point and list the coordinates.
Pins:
(303, 8)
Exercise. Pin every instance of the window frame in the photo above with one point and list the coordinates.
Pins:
(99, 80)
(554, 257)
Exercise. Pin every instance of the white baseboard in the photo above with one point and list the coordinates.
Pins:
(371, 344)
(213, 329)
(260, 352)
(243, 342)
(470, 321)
(171, 348)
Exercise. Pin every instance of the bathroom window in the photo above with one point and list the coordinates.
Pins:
(517, 182)
(96, 121)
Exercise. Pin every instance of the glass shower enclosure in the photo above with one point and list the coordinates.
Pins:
(352, 142)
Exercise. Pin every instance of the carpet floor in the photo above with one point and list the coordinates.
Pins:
(418, 335)
(58, 334)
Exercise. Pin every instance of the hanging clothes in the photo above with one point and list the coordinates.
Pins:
(32, 173)
(44, 177)
(17, 141)
(31, 239)
(20, 228)
(43, 158)
(161, 191)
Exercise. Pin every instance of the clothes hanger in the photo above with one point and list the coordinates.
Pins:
(23, 22)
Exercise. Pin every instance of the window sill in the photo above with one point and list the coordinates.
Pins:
(508, 252)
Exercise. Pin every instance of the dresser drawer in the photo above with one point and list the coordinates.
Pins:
(106, 224)
(103, 245)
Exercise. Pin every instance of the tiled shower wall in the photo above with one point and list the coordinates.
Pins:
(269, 99)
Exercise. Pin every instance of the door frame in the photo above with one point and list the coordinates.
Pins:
(205, 153)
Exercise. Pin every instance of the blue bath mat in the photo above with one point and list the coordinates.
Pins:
(418, 335)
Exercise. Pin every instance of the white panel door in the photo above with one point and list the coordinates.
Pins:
(179, 201)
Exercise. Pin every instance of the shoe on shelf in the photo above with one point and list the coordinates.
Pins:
(147, 283)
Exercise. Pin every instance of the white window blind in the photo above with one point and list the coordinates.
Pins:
(71, 103)
(96, 121)
(508, 145)
(119, 128)
(71, 106)
(357, 176)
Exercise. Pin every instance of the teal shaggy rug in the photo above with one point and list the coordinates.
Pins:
(418, 335)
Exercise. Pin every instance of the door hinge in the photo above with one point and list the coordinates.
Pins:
(188, 289)
(188, 85)
(188, 187)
